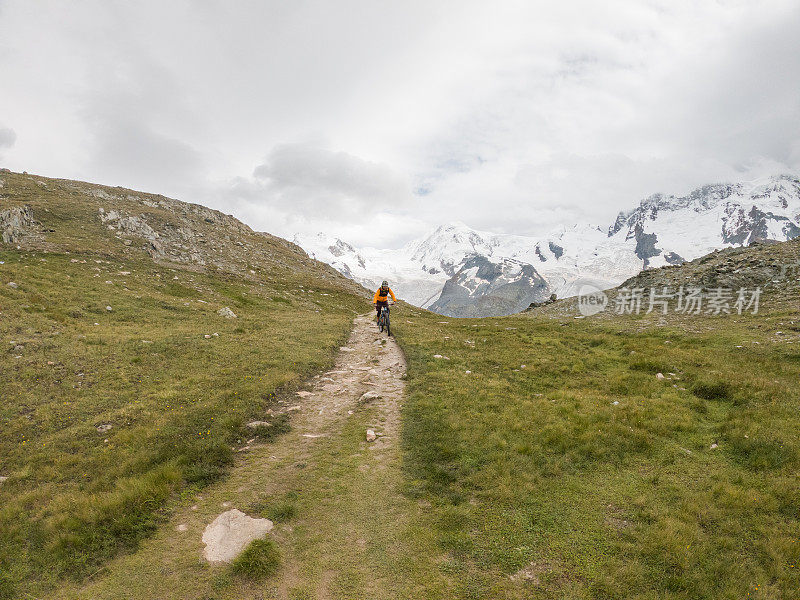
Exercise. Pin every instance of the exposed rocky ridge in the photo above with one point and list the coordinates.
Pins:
(482, 288)
(64, 215)
(17, 225)
(772, 266)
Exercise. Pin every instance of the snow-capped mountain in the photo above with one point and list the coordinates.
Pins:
(455, 267)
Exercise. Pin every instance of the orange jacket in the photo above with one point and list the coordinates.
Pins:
(381, 297)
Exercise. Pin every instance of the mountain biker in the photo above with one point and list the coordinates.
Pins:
(381, 297)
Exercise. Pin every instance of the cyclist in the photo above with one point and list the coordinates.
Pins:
(381, 297)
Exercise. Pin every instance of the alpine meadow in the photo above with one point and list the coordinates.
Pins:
(155, 375)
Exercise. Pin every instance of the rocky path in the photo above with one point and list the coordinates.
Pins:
(344, 528)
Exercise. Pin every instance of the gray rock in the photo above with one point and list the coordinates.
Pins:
(371, 437)
(16, 224)
(103, 427)
(226, 312)
(369, 396)
(13, 285)
(256, 424)
(230, 533)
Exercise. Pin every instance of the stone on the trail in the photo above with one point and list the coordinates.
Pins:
(182, 527)
(103, 427)
(369, 396)
(304, 394)
(346, 349)
(371, 437)
(660, 376)
(226, 312)
(13, 285)
(256, 424)
(230, 533)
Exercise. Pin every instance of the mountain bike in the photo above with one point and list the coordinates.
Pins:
(383, 320)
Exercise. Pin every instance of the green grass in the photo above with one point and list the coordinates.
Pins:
(589, 472)
(175, 400)
(259, 560)
(579, 475)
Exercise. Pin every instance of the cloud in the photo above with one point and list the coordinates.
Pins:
(318, 181)
(7, 138)
(515, 117)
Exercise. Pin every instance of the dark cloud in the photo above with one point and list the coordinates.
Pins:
(7, 137)
(320, 181)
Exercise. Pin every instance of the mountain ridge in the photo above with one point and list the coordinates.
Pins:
(662, 229)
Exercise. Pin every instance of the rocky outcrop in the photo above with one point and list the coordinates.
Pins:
(550, 300)
(17, 224)
(483, 288)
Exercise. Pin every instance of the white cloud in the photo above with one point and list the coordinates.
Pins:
(376, 121)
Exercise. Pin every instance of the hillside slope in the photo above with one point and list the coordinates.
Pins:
(126, 377)
(617, 455)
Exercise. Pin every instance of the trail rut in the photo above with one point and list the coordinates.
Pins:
(353, 535)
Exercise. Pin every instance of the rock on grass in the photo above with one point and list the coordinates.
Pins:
(230, 533)
(226, 312)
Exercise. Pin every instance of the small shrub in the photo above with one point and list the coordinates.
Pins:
(648, 365)
(259, 560)
(281, 511)
(712, 390)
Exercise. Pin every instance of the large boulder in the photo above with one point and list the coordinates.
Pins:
(230, 533)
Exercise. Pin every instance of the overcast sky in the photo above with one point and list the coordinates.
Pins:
(375, 121)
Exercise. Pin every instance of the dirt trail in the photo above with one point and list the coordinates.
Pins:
(370, 362)
(353, 535)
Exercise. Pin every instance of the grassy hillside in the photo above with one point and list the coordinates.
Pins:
(560, 465)
(123, 388)
(547, 455)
